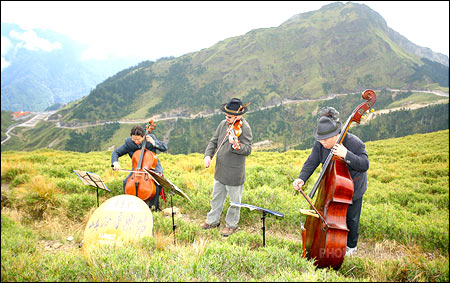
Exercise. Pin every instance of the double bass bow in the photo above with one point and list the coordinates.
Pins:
(140, 183)
(325, 234)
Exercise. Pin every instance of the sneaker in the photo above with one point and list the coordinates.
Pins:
(209, 226)
(350, 251)
(227, 231)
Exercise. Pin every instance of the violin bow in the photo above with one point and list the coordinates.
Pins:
(221, 143)
(139, 172)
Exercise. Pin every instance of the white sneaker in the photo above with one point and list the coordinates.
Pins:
(350, 251)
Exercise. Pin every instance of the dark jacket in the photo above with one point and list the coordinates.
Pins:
(357, 163)
(130, 147)
(230, 163)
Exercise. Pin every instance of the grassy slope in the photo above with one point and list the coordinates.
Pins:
(403, 233)
(6, 121)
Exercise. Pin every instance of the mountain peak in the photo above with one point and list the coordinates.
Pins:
(350, 11)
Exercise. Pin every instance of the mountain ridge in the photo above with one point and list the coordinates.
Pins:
(339, 48)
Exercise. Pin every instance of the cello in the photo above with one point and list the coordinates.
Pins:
(140, 183)
(325, 233)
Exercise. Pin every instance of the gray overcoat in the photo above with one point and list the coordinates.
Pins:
(230, 163)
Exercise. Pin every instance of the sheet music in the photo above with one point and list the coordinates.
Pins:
(252, 207)
(91, 179)
(166, 183)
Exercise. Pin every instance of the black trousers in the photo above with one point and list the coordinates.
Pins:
(154, 202)
(353, 215)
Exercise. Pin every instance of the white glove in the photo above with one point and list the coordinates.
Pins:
(116, 166)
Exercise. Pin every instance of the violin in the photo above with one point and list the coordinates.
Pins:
(235, 130)
(325, 236)
(140, 183)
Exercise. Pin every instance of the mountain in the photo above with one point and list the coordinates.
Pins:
(41, 69)
(315, 59)
(340, 48)
(422, 52)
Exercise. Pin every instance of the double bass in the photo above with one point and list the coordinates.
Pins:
(325, 233)
(140, 183)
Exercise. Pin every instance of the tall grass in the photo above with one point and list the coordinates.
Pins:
(403, 230)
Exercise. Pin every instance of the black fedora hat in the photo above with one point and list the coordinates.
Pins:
(326, 128)
(234, 107)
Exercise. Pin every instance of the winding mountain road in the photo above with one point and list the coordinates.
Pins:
(44, 115)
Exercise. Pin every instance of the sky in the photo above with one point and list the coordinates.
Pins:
(150, 30)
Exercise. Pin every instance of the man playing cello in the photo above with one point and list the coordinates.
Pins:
(132, 144)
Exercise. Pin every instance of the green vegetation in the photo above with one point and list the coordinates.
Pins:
(6, 122)
(404, 232)
(437, 72)
(338, 49)
(404, 122)
(285, 126)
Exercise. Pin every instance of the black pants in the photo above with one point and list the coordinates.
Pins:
(154, 202)
(353, 214)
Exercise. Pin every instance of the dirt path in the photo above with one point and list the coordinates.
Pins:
(44, 116)
(372, 115)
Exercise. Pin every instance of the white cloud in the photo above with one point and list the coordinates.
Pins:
(4, 63)
(33, 42)
(6, 45)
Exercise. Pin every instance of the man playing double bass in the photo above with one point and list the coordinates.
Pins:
(353, 152)
(132, 144)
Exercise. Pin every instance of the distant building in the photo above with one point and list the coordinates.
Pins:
(20, 114)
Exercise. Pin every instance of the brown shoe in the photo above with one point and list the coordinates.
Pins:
(227, 231)
(209, 226)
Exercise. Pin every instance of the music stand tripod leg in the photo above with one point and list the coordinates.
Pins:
(173, 219)
(264, 227)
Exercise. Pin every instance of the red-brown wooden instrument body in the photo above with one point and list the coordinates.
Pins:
(140, 183)
(327, 244)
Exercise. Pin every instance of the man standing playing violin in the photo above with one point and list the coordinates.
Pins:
(133, 143)
(230, 145)
(353, 152)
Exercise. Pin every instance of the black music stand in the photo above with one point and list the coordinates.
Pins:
(91, 179)
(264, 213)
(166, 184)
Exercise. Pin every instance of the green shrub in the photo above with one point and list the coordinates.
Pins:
(71, 186)
(79, 204)
(20, 179)
(37, 196)
(11, 169)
